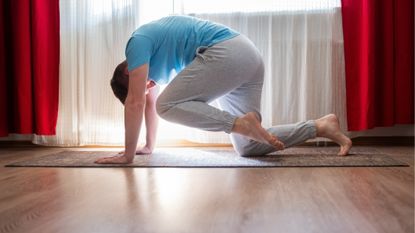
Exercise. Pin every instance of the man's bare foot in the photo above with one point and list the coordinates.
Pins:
(328, 127)
(249, 126)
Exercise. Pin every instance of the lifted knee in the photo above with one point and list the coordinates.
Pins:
(162, 107)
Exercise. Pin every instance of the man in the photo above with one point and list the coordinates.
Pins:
(212, 62)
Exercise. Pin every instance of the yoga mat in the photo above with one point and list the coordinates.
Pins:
(190, 157)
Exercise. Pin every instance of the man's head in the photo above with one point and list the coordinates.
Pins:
(119, 81)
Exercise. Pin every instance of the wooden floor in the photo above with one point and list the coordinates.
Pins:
(205, 199)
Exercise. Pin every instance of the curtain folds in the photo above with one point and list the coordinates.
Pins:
(93, 38)
(379, 55)
(29, 67)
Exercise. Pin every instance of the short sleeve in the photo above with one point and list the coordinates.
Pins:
(138, 51)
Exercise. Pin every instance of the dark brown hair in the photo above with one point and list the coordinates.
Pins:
(119, 82)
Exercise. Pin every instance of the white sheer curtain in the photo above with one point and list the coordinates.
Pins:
(93, 37)
(301, 45)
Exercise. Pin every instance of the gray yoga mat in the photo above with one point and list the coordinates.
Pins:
(190, 157)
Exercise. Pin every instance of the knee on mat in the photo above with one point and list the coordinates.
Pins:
(248, 153)
(251, 150)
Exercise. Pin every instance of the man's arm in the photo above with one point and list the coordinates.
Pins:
(134, 109)
(133, 114)
(151, 119)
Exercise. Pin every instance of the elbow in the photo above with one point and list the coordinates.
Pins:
(134, 102)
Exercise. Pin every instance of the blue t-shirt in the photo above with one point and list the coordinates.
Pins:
(170, 43)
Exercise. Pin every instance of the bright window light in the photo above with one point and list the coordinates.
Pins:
(107, 7)
(228, 6)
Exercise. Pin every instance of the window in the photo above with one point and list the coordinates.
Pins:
(227, 6)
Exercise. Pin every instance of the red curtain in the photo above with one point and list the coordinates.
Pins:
(29, 66)
(379, 56)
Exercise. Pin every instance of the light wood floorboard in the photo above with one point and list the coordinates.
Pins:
(227, 200)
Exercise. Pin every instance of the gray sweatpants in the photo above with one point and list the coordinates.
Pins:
(232, 72)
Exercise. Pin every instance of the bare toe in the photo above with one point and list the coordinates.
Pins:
(328, 127)
(277, 143)
(344, 149)
(250, 126)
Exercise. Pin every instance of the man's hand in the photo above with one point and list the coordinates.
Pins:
(114, 160)
(145, 150)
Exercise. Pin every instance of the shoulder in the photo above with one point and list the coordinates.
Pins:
(138, 51)
(140, 41)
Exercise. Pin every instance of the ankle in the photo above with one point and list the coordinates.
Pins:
(237, 125)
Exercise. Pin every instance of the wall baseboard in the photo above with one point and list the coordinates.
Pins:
(358, 141)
